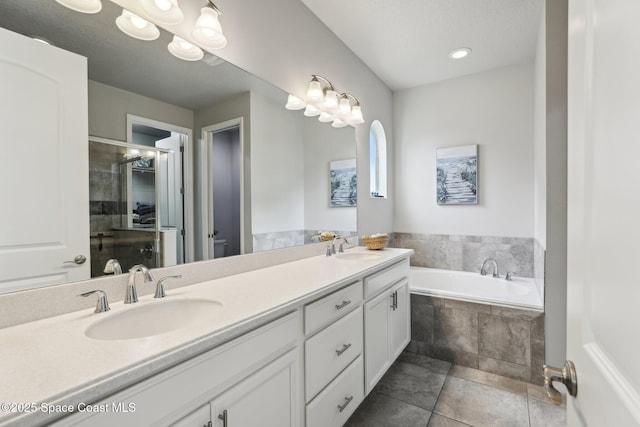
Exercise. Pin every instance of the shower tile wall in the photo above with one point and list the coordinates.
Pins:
(103, 204)
(466, 253)
(500, 340)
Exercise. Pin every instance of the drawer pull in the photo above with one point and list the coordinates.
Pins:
(343, 305)
(224, 417)
(344, 348)
(347, 400)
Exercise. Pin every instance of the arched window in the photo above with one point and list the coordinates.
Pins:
(377, 160)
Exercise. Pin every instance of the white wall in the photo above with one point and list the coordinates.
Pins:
(277, 193)
(556, 18)
(323, 144)
(285, 50)
(493, 109)
(109, 106)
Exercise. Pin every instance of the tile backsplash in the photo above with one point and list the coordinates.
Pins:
(466, 253)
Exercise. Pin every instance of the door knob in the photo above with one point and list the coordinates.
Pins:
(566, 375)
(80, 259)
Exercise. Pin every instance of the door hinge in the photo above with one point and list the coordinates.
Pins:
(182, 148)
(181, 190)
(182, 233)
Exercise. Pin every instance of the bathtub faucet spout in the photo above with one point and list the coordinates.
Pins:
(494, 263)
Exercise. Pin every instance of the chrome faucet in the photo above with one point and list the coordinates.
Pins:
(132, 295)
(344, 241)
(112, 267)
(494, 263)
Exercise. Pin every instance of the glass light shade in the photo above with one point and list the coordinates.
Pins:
(162, 11)
(208, 31)
(356, 115)
(325, 117)
(344, 107)
(136, 27)
(311, 111)
(337, 123)
(294, 103)
(314, 91)
(84, 6)
(182, 49)
(330, 100)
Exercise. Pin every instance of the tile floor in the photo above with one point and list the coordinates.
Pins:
(425, 392)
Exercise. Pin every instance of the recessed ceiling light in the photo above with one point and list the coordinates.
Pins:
(459, 53)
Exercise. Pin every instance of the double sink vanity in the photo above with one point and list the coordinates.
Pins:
(294, 344)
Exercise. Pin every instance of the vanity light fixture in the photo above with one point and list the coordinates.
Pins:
(322, 99)
(184, 50)
(162, 11)
(208, 31)
(459, 53)
(136, 27)
(83, 6)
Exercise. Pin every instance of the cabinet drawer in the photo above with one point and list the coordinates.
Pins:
(330, 351)
(387, 277)
(331, 307)
(339, 400)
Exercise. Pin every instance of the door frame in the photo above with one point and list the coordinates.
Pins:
(187, 176)
(206, 176)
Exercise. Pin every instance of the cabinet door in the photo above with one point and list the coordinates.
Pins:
(400, 323)
(198, 418)
(44, 174)
(376, 338)
(268, 398)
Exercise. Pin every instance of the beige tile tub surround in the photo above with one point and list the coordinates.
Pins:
(466, 253)
(500, 340)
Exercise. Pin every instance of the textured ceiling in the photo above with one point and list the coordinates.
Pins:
(115, 59)
(407, 42)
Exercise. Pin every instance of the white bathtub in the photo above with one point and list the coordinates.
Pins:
(520, 292)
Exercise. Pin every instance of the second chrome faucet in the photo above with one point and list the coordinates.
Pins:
(132, 295)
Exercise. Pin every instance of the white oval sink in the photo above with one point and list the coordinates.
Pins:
(153, 318)
(358, 256)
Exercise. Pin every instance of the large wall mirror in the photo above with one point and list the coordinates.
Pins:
(252, 176)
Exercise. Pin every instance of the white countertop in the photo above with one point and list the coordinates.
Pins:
(52, 361)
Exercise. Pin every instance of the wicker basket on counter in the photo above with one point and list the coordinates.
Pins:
(375, 241)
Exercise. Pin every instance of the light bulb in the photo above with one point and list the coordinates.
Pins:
(345, 106)
(163, 5)
(330, 100)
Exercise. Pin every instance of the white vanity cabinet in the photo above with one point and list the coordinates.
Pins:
(334, 377)
(387, 322)
(255, 378)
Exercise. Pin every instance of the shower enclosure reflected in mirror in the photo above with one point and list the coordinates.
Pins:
(133, 213)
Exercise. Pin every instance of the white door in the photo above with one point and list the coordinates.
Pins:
(172, 190)
(603, 319)
(44, 173)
